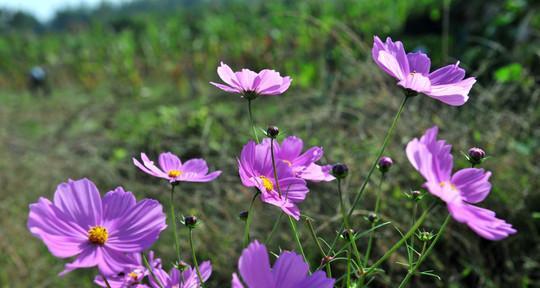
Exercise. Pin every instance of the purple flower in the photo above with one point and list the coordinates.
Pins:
(256, 170)
(186, 279)
(99, 232)
(303, 164)
(172, 169)
(289, 271)
(250, 84)
(132, 276)
(446, 84)
(432, 158)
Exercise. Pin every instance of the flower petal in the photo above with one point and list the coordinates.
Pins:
(447, 75)
(289, 270)
(317, 280)
(416, 82)
(79, 200)
(390, 57)
(89, 257)
(455, 94)
(473, 184)
(419, 63)
(227, 75)
(235, 283)
(482, 221)
(139, 228)
(226, 88)
(116, 205)
(168, 161)
(290, 148)
(254, 266)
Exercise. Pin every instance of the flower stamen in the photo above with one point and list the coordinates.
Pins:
(98, 235)
(174, 173)
(268, 185)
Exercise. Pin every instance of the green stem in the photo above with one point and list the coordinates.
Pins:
(199, 275)
(424, 255)
(349, 269)
(376, 211)
(249, 219)
(413, 219)
(276, 224)
(252, 121)
(151, 270)
(297, 238)
(360, 192)
(351, 239)
(402, 241)
(173, 220)
(316, 239)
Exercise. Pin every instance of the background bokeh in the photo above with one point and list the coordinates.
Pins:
(131, 78)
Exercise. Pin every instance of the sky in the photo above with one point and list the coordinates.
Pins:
(44, 10)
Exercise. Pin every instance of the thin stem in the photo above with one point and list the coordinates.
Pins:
(360, 192)
(349, 268)
(151, 270)
(274, 165)
(413, 219)
(297, 238)
(199, 275)
(351, 237)
(376, 211)
(424, 255)
(402, 241)
(106, 281)
(249, 219)
(252, 122)
(316, 239)
(276, 224)
(173, 220)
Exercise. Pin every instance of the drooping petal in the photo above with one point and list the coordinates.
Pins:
(473, 184)
(254, 266)
(455, 94)
(447, 75)
(289, 270)
(202, 178)
(317, 173)
(79, 200)
(284, 85)
(317, 280)
(416, 82)
(294, 189)
(168, 161)
(114, 262)
(139, 229)
(419, 63)
(149, 167)
(62, 236)
(226, 88)
(482, 221)
(191, 279)
(287, 206)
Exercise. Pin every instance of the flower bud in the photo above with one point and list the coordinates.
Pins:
(476, 155)
(243, 215)
(340, 170)
(190, 221)
(372, 217)
(326, 260)
(272, 132)
(347, 234)
(181, 265)
(425, 236)
(385, 163)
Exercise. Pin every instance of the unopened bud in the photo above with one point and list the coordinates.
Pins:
(243, 215)
(476, 155)
(190, 221)
(347, 234)
(385, 163)
(372, 217)
(272, 132)
(326, 259)
(340, 170)
(425, 236)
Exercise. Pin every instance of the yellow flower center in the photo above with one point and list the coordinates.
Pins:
(175, 173)
(287, 162)
(268, 185)
(452, 186)
(98, 235)
(133, 275)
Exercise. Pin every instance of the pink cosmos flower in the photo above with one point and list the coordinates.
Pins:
(302, 164)
(256, 170)
(172, 169)
(133, 275)
(186, 279)
(289, 271)
(432, 158)
(102, 232)
(250, 84)
(446, 84)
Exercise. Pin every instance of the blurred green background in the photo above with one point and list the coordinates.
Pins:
(131, 78)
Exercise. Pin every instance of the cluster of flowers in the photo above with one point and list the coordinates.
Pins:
(113, 232)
